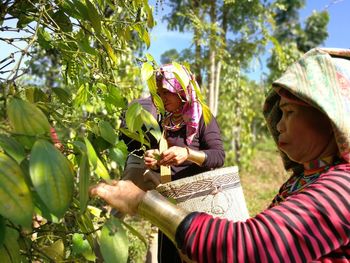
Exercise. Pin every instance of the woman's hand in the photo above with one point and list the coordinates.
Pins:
(122, 195)
(175, 155)
(151, 158)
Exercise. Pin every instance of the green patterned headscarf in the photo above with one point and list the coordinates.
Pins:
(321, 78)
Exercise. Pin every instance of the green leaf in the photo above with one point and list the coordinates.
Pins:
(146, 71)
(52, 177)
(197, 90)
(86, 225)
(15, 194)
(101, 170)
(84, 182)
(135, 232)
(181, 76)
(63, 21)
(146, 38)
(132, 117)
(81, 8)
(44, 38)
(149, 12)
(107, 132)
(84, 45)
(94, 17)
(150, 57)
(95, 162)
(114, 242)
(35, 94)
(119, 153)
(152, 85)
(109, 50)
(115, 97)
(63, 95)
(55, 250)
(134, 136)
(12, 148)
(82, 95)
(82, 247)
(151, 124)
(91, 153)
(206, 113)
(10, 250)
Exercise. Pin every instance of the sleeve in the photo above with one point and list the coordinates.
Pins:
(306, 227)
(211, 144)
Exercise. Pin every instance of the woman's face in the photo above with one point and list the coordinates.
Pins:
(171, 101)
(305, 133)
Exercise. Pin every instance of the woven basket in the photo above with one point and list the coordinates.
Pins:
(216, 192)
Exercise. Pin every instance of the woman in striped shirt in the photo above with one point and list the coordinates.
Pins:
(308, 114)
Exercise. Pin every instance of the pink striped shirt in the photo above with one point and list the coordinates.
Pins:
(309, 226)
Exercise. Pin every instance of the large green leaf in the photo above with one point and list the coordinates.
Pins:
(91, 153)
(52, 177)
(146, 71)
(114, 242)
(151, 124)
(12, 148)
(95, 162)
(84, 182)
(119, 153)
(15, 198)
(132, 117)
(181, 76)
(107, 132)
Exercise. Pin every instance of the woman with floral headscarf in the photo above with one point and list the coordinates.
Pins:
(193, 146)
(308, 115)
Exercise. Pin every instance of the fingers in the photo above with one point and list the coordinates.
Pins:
(173, 156)
(99, 190)
(151, 158)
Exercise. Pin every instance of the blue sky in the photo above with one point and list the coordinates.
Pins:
(339, 10)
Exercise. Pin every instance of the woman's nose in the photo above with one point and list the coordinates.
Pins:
(280, 126)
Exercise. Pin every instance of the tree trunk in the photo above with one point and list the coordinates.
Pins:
(197, 63)
(217, 87)
(219, 63)
(212, 64)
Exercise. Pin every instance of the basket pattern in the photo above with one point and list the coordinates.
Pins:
(217, 192)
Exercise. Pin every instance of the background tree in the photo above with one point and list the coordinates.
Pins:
(290, 39)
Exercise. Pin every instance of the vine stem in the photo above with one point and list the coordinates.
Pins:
(15, 70)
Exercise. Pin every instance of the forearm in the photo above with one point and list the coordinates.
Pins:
(197, 157)
(162, 213)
